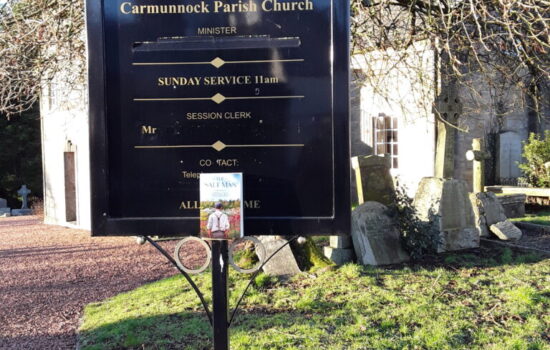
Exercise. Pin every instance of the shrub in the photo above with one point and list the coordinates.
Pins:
(536, 151)
(419, 238)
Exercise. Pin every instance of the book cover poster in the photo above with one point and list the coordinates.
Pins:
(221, 205)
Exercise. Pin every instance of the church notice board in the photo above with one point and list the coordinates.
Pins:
(184, 87)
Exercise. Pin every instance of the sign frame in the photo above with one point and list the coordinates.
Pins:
(103, 224)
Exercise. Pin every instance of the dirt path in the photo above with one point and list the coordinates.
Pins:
(48, 273)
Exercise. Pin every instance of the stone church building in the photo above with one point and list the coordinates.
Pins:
(394, 116)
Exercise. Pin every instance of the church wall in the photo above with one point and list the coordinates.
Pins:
(491, 109)
(65, 129)
(400, 92)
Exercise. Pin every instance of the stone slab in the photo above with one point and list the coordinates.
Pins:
(492, 209)
(513, 204)
(283, 263)
(21, 212)
(375, 237)
(338, 255)
(3, 203)
(373, 178)
(341, 242)
(506, 231)
(446, 205)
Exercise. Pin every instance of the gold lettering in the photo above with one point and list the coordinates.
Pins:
(148, 129)
(219, 6)
(276, 6)
(189, 205)
(253, 204)
(124, 6)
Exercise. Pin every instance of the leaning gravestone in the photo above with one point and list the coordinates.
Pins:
(491, 217)
(445, 204)
(488, 211)
(4, 210)
(283, 263)
(25, 210)
(374, 182)
(506, 231)
(375, 236)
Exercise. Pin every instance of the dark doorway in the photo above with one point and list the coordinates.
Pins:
(70, 186)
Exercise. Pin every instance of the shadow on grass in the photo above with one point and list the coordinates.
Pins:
(486, 256)
(322, 315)
(189, 330)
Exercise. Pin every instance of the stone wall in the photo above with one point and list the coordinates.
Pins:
(491, 110)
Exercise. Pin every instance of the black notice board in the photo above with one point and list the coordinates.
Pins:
(180, 87)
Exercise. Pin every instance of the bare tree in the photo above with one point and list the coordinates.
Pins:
(506, 43)
(38, 38)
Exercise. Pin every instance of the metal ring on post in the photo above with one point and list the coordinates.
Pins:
(261, 255)
(206, 248)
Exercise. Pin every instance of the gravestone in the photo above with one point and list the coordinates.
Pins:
(24, 193)
(374, 182)
(506, 231)
(283, 263)
(447, 109)
(446, 205)
(375, 236)
(513, 204)
(340, 250)
(509, 155)
(488, 211)
(4, 210)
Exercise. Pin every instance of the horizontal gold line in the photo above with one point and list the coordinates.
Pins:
(261, 97)
(210, 98)
(226, 146)
(210, 62)
(175, 146)
(165, 63)
(284, 145)
(266, 61)
(173, 99)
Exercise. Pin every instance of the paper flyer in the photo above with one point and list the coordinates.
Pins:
(221, 205)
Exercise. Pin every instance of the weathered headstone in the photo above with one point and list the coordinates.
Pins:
(24, 193)
(374, 182)
(4, 210)
(477, 155)
(283, 263)
(509, 155)
(488, 210)
(505, 230)
(447, 108)
(375, 236)
(513, 204)
(446, 205)
(340, 250)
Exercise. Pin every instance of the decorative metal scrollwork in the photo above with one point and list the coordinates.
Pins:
(260, 252)
(206, 249)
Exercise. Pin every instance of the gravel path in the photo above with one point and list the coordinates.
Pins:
(48, 273)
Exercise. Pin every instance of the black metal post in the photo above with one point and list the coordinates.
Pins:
(220, 266)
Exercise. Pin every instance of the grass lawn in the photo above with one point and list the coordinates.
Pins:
(540, 218)
(483, 299)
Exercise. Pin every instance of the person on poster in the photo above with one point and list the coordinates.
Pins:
(218, 222)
